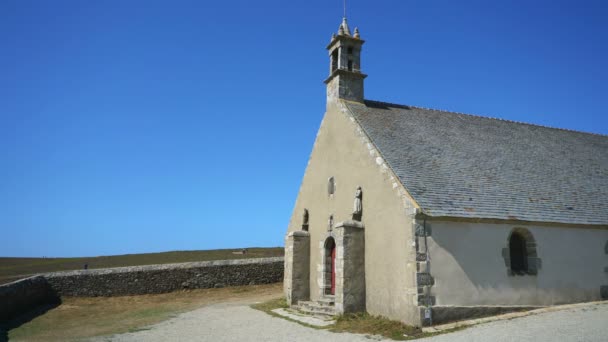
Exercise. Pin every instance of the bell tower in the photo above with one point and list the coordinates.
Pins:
(345, 79)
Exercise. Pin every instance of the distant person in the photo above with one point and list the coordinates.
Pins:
(86, 266)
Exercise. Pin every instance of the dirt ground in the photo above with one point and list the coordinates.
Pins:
(81, 318)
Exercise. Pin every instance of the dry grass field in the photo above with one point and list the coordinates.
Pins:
(16, 268)
(80, 318)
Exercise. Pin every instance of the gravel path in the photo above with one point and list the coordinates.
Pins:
(231, 322)
(581, 324)
(238, 322)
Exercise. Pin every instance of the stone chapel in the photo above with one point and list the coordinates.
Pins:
(426, 216)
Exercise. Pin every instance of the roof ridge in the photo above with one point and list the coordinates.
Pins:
(388, 104)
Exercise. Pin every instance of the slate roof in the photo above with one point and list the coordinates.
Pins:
(469, 166)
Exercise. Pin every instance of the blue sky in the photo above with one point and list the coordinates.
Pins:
(140, 126)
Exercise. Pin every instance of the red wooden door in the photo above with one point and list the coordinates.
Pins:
(333, 270)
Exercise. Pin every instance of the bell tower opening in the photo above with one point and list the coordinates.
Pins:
(345, 79)
(334, 61)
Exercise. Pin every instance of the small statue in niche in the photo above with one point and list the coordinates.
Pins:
(305, 220)
(330, 223)
(358, 206)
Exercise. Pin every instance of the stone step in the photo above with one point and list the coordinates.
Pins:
(324, 307)
(318, 311)
(316, 320)
(319, 304)
(327, 300)
(316, 308)
(304, 303)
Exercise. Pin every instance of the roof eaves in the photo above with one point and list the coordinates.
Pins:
(473, 219)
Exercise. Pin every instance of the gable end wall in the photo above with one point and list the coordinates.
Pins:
(343, 151)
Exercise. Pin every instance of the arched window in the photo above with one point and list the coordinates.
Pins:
(305, 220)
(331, 186)
(520, 254)
(517, 250)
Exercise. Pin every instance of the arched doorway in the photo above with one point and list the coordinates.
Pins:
(330, 266)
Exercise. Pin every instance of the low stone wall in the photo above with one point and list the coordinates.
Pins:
(21, 296)
(150, 279)
(25, 295)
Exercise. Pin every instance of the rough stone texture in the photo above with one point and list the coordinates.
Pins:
(420, 257)
(350, 267)
(137, 280)
(533, 263)
(424, 279)
(424, 298)
(24, 295)
(445, 314)
(422, 229)
(296, 282)
(345, 83)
